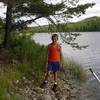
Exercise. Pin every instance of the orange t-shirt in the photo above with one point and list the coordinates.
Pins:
(54, 52)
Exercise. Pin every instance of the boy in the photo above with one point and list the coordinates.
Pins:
(53, 61)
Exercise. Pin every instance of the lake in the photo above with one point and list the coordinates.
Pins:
(88, 58)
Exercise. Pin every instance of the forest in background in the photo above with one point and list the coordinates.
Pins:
(86, 25)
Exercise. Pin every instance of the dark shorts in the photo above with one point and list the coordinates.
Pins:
(53, 66)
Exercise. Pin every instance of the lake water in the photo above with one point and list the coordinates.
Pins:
(88, 58)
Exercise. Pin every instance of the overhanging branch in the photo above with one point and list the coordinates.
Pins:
(24, 23)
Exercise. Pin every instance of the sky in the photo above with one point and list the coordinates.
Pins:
(94, 11)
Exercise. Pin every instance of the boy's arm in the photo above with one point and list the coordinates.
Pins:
(47, 53)
(61, 56)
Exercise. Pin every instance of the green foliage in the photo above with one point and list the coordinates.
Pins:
(8, 74)
(1, 30)
(30, 55)
(87, 25)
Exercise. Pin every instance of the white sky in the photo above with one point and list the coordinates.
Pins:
(94, 11)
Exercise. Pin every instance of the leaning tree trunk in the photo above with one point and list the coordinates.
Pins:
(8, 25)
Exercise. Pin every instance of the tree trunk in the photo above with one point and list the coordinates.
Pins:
(8, 25)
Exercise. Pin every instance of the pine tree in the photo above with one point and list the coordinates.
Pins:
(35, 9)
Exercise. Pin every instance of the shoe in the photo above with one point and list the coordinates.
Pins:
(55, 88)
(43, 85)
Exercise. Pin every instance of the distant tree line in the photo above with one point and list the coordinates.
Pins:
(89, 24)
(86, 25)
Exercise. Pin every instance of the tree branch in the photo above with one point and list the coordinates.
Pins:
(20, 24)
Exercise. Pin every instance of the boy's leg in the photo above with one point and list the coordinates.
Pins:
(55, 77)
(55, 86)
(55, 70)
(47, 75)
(44, 84)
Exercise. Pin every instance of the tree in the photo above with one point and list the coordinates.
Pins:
(35, 9)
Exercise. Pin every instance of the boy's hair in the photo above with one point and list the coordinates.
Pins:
(54, 35)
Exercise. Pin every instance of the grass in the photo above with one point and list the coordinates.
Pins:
(7, 75)
(28, 59)
(75, 70)
(31, 56)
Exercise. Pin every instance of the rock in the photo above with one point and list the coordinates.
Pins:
(17, 81)
(73, 91)
(15, 61)
(34, 98)
(38, 90)
(47, 97)
(67, 91)
(24, 78)
(63, 98)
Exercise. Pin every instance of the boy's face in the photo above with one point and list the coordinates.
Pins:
(55, 39)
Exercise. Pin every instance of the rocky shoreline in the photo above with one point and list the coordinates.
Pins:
(26, 90)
